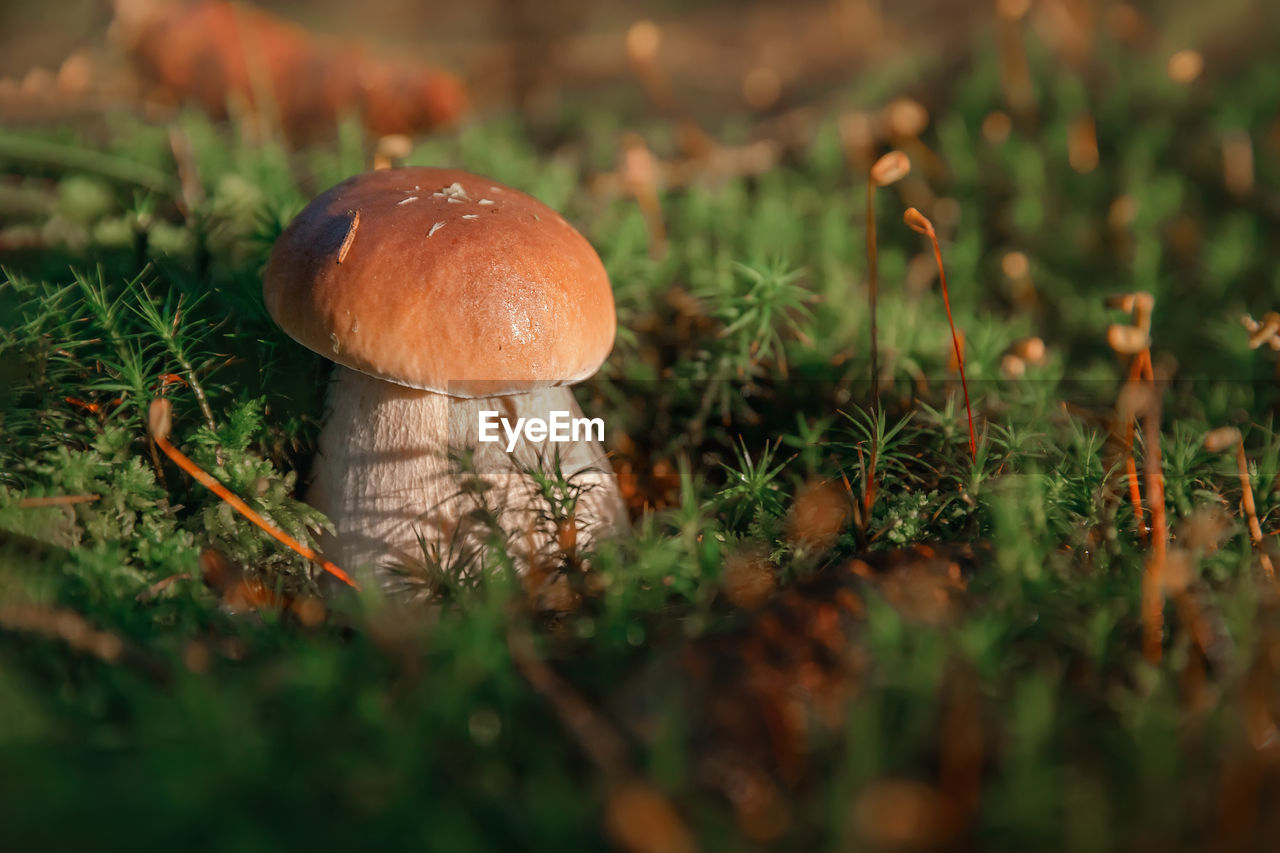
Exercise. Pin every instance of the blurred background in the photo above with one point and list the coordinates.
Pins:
(719, 57)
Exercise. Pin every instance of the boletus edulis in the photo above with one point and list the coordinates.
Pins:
(453, 307)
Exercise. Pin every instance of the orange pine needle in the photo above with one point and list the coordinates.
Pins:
(159, 421)
(917, 222)
(350, 238)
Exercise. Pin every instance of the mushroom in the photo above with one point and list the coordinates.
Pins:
(449, 303)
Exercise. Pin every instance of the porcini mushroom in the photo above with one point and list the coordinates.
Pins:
(441, 295)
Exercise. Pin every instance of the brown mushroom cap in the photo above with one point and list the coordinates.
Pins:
(442, 280)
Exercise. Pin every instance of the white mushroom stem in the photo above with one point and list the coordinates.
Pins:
(385, 477)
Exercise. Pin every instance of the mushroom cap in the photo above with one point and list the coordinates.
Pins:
(442, 280)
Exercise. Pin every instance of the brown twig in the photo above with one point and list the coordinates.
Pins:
(159, 423)
(160, 586)
(56, 500)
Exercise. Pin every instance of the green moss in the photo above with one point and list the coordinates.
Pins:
(739, 377)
